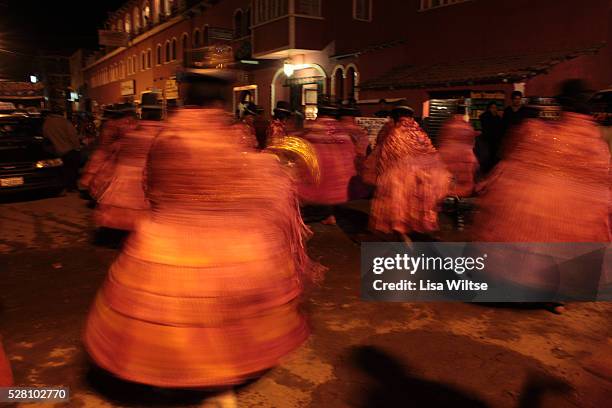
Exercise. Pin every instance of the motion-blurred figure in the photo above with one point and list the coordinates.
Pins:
(358, 188)
(277, 129)
(368, 171)
(457, 151)
(336, 157)
(97, 173)
(412, 179)
(552, 186)
(63, 136)
(205, 292)
(488, 143)
(515, 113)
(122, 204)
(247, 123)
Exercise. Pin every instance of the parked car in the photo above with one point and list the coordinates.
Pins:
(26, 161)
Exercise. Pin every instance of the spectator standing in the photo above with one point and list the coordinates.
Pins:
(488, 142)
(63, 136)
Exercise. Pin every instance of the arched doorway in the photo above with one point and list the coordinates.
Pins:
(291, 89)
(339, 85)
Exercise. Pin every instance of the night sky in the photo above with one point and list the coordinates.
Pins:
(48, 27)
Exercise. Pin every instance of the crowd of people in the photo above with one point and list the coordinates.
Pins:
(217, 255)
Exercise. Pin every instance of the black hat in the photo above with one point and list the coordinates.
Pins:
(250, 109)
(327, 108)
(574, 96)
(283, 107)
(402, 106)
(205, 86)
(194, 75)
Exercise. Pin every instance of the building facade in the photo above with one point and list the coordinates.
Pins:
(362, 50)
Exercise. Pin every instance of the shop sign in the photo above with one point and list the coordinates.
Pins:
(487, 95)
(372, 126)
(303, 81)
(128, 87)
(171, 89)
(112, 38)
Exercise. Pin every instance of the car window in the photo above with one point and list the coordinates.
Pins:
(20, 128)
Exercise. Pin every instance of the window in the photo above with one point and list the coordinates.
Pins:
(362, 10)
(196, 38)
(238, 24)
(430, 4)
(143, 61)
(184, 45)
(308, 7)
(266, 10)
(149, 58)
(167, 51)
(205, 41)
(156, 10)
(120, 25)
(351, 83)
(136, 15)
(174, 49)
(146, 13)
(247, 22)
(339, 84)
(121, 70)
(134, 64)
(128, 26)
(158, 54)
(168, 6)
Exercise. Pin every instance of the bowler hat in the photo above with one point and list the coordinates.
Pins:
(250, 109)
(327, 108)
(401, 106)
(283, 107)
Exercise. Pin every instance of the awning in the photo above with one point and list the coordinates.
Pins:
(490, 70)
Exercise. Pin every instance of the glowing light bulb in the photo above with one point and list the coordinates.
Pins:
(288, 69)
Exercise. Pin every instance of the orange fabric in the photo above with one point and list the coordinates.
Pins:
(411, 182)
(122, 204)
(553, 186)
(111, 132)
(205, 291)
(457, 151)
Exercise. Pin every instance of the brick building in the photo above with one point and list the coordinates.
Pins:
(424, 50)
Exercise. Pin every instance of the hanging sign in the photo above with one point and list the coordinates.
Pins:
(128, 87)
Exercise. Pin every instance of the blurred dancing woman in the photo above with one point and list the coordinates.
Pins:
(205, 293)
(118, 121)
(457, 151)
(358, 189)
(553, 185)
(123, 203)
(247, 122)
(336, 156)
(412, 180)
(277, 129)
